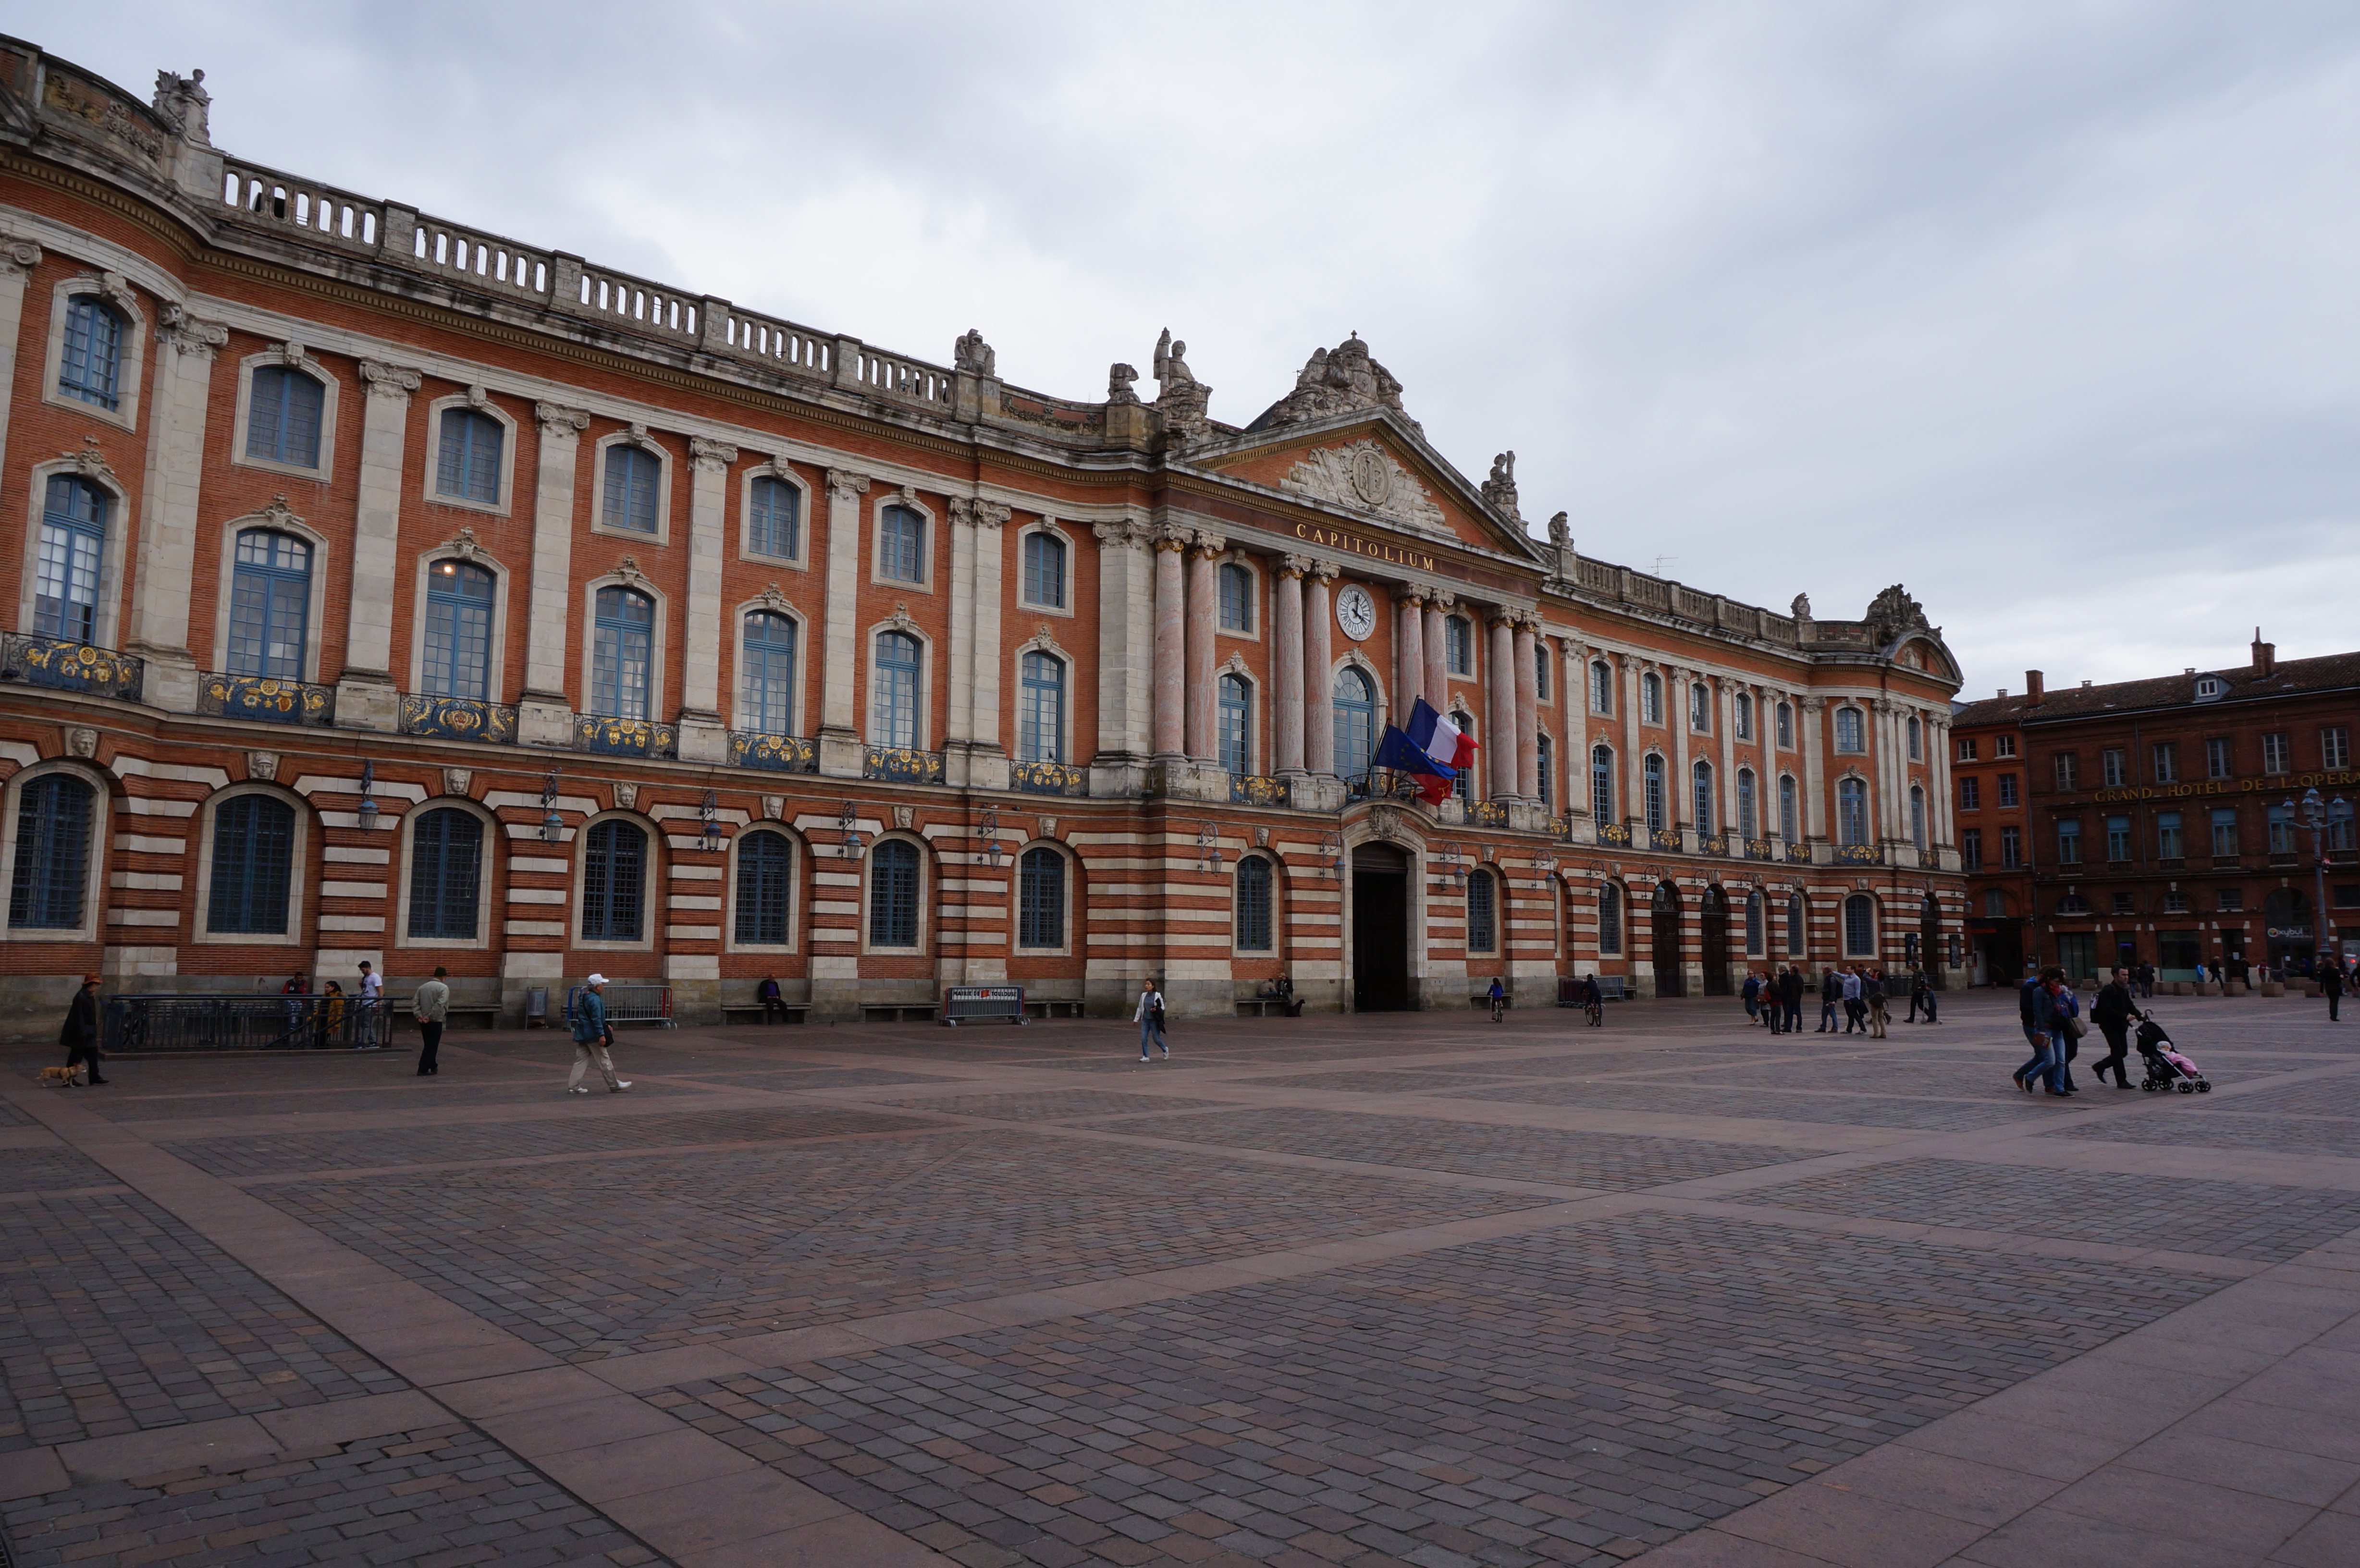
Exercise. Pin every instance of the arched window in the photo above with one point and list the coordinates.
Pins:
(1699, 706)
(254, 865)
(269, 604)
(1850, 735)
(1653, 773)
(1237, 597)
(1651, 699)
(1610, 918)
(895, 720)
(893, 895)
(1703, 791)
(615, 882)
(1253, 905)
(1754, 924)
(1786, 801)
(1743, 706)
(1787, 725)
(73, 544)
(447, 874)
(902, 545)
(1355, 710)
(774, 519)
(1916, 739)
(1044, 570)
(766, 680)
(53, 829)
(1796, 945)
(1851, 812)
(1748, 825)
(766, 863)
(282, 417)
(1482, 912)
(1860, 926)
(468, 466)
(1041, 899)
(1464, 785)
(1040, 718)
(458, 631)
(621, 653)
(91, 368)
(1918, 819)
(1547, 766)
(1236, 705)
(1458, 645)
(1601, 783)
(1601, 687)
(629, 501)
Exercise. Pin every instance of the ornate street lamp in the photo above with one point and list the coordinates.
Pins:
(848, 819)
(553, 826)
(369, 812)
(2312, 813)
(1209, 849)
(988, 829)
(710, 839)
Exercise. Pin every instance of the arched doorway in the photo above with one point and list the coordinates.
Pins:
(1716, 942)
(1671, 980)
(1380, 929)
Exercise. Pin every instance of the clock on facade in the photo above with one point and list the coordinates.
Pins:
(1356, 612)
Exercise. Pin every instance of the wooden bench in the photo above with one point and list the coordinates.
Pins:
(1270, 1006)
(755, 1013)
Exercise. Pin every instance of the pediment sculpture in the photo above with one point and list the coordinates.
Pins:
(1364, 477)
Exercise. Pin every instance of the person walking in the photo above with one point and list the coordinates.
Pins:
(1790, 999)
(1831, 997)
(431, 1002)
(365, 1019)
(333, 1008)
(1150, 1018)
(79, 1034)
(1930, 997)
(591, 1034)
(2330, 985)
(2113, 1013)
(1873, 993)
(1753, 995)
(2043, 1028)
(2069, 1033)
(1855, 1010)
(297, 985)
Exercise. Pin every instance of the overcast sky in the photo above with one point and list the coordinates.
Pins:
(2048, 311)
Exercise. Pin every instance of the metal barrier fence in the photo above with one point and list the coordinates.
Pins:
(134, 1025)
(629, 1004)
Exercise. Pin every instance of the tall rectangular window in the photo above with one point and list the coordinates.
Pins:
(2165, 757)
(1970, 794)
(902, 546)
(621, 651)
(2007, 790)
(1234, 714)
(270, 606)
(2004, 746)
(2110, 766)
(73, 544)
(1601, 784)
(1541, 668)
(458, 631)
(1041, 712)
(774, 519)
(2280, 817)
(1601, 687)
(2167, 843)
(1041, 899)
(2276, 752)
(2069, 841)
(633, 477)
(2011, 849)
(282, 417)
(1971, 850)
(1967, 748)
(1786, 726)
(894, 709)
(2118, 838)
(2225, 830)
(1482, 914)
(1044, 570)
(467, 465)
(1458, 645)
(2217, 760)
(1237, 585)
(2066, 766)
(767, 675)
(90, 366)
(2336, 746)
(1610, 918)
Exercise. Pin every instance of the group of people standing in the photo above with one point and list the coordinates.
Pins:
(1855, 991)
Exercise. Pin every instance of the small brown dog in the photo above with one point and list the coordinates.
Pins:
(59, 1078)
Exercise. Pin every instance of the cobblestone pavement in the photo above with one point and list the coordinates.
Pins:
(1363, 1291)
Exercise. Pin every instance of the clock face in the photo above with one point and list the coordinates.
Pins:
(1356, 612)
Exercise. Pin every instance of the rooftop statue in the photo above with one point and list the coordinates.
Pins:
(1336, 381)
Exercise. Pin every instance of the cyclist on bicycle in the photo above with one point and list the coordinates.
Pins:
(1499, 1001)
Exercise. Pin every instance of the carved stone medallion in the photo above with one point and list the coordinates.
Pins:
(262, 765)
(1364, 477)
(905, 817)
(627, 797)
(455, 780)
(1373, 480)
(82, 742)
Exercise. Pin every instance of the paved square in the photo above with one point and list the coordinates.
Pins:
(1377, 1290)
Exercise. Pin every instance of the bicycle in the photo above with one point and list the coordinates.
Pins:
(1499, 1009)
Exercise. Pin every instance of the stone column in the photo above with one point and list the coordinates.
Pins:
(840, 752)
(366, 695)
(1436, 687)
(704, 737)
(958, 729)
(1286, 667)
(1807, 712)
(1126, 653)
(1204, 600)
(1171, 644)
(988, 766)
(1681, 807)
(1409, 652)
(1635, 745)
(1500, 695)
(544, 716)
(17, 259)
(1724, 718)
(1574, 688)
(161, 603)
(1528, 708)
(1945, 829)
(1318, 696)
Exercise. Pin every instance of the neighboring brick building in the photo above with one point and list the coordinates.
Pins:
(393, 590)
(2149, 821)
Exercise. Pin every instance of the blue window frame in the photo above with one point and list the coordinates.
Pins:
(1851, 734)
(73, 548)
(1917, 822)
(895, 710)
(1041, 717)
(458, 631)
(767, 678)
(766, 863)
(1547, 760)
(53, 825)
(282, 417)
(774, 519)
(1464, 785)
(1610, 918)
(2069, 841)
(1044, 570)
(1482, 912)
(621, 651)
(1851, 812)
(467, 467)
(447, 874)
(1705, 815)
(254, 866)
(614, 882)
(270, 605)
(1787, 808)
(91, 368)
(1356, 723)
(902, 546)
(1653, 776)
(1458, 645)
(1237, 597)
(1601, 783)
(1235, 707)
(1748, 818)
(629, 497)
(1041, 899)
(1860, 926)
(1253, 905)
(893, 895)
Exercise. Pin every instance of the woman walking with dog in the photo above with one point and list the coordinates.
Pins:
(80, 1033)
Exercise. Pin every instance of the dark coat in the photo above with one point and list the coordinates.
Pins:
(1790, 988)
(80, 1027)
(2111, 1011)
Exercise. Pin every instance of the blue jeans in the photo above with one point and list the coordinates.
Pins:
(1149, 1034)
(1826, 1012)
(2047, 1061)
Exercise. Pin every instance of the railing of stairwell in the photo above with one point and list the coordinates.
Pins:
(482, 261)
(268, 198)
(780, 345)
(910, 380)
(636, 303)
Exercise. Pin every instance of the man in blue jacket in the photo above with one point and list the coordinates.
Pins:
(2046, 1026)
(590, 1037)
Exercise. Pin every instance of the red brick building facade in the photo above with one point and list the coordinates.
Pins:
(2162, 821)
(392, 590)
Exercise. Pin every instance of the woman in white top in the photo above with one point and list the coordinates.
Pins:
(1149, 1017)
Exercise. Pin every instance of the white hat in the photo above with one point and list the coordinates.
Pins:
(596, 980)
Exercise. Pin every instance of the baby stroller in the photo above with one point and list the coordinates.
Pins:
(2165, 1067)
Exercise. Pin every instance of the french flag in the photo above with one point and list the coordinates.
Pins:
(1438, 737)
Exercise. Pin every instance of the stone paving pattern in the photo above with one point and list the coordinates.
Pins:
(1420, 1290)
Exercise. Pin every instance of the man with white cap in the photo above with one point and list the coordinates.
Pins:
(590, 1037)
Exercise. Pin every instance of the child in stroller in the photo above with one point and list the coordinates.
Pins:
(2165, 1067)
